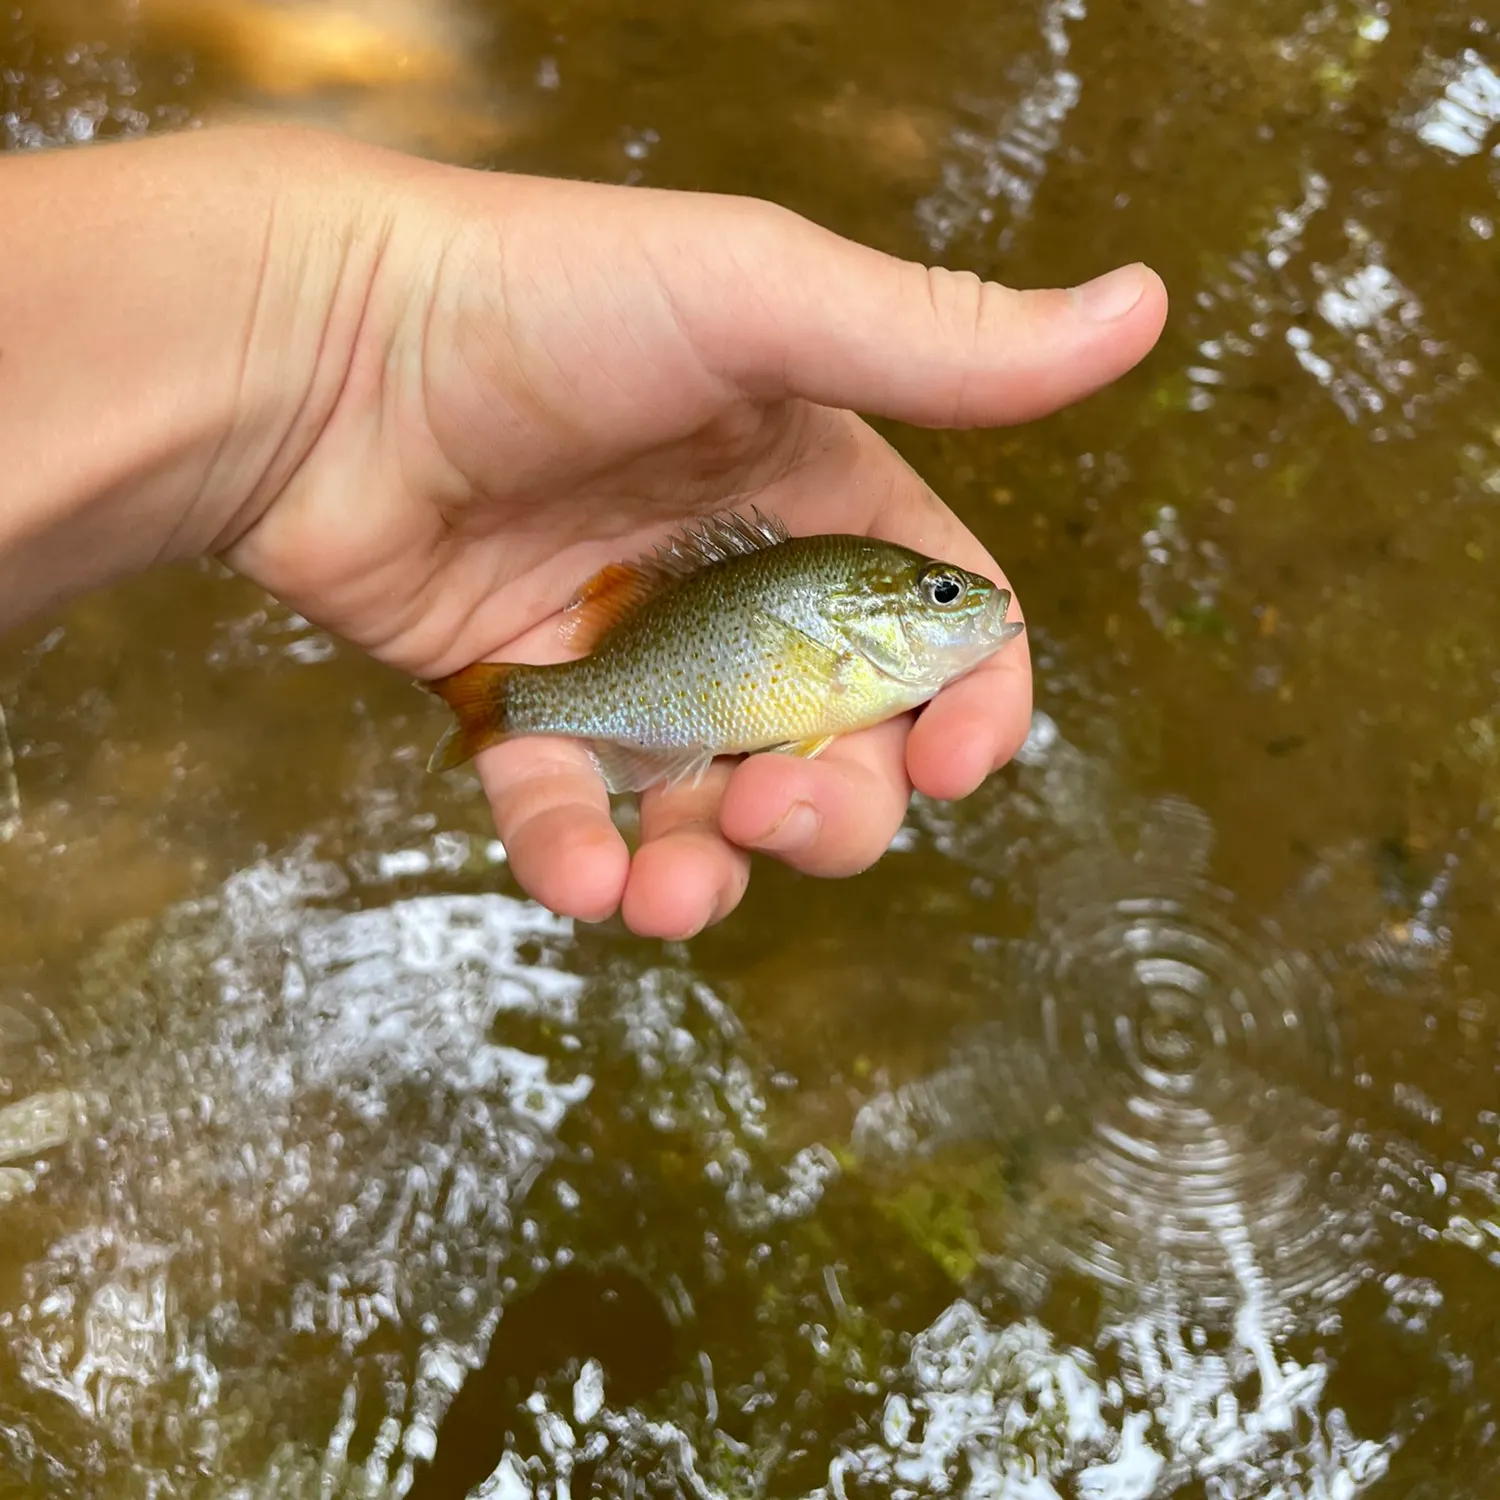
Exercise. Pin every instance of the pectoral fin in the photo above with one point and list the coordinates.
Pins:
(799, 654)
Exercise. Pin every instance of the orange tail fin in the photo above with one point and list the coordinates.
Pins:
(477, 695)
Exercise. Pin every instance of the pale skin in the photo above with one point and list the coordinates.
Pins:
(420, 405)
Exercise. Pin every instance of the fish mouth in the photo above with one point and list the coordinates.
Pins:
(996, 627)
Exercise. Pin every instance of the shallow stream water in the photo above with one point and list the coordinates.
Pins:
(1132, 1130)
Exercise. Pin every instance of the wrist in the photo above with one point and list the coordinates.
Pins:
(175, 321)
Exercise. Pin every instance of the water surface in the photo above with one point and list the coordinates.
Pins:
(1132, 1130)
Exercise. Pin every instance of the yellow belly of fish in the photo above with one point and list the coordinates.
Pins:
(753, 713)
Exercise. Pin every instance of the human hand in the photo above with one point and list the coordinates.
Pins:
(548, 376)
(421, 405)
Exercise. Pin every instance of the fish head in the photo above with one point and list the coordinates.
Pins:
(923, 621)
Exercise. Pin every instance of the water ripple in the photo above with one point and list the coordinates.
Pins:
(1178, 1048)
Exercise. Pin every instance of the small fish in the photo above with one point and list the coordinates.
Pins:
(735, 637)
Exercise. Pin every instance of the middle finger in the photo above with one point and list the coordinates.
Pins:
(686, 874)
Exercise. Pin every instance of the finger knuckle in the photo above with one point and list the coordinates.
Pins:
(964, 306)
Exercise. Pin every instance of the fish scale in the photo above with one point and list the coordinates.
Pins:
(694, 671)
(736, 637)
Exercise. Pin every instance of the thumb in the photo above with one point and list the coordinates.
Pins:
(800, 311)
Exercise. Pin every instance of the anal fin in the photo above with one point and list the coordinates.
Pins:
(630, 768)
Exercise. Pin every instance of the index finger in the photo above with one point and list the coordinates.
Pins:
(976, 724)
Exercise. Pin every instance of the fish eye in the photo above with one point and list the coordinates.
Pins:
(942, 587)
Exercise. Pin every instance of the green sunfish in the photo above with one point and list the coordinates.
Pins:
(734, 637)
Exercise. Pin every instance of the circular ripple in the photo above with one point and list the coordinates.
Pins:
(1169, 990)
(1188, 1049)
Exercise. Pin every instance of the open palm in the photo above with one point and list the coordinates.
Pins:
(544, 377)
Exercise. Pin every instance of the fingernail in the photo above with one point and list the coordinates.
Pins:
(1111, 296)
(796, 831)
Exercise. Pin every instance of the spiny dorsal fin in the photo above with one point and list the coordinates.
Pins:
(616, 592)
(716, 538)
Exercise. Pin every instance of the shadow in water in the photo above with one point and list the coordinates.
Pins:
(573, 1314)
